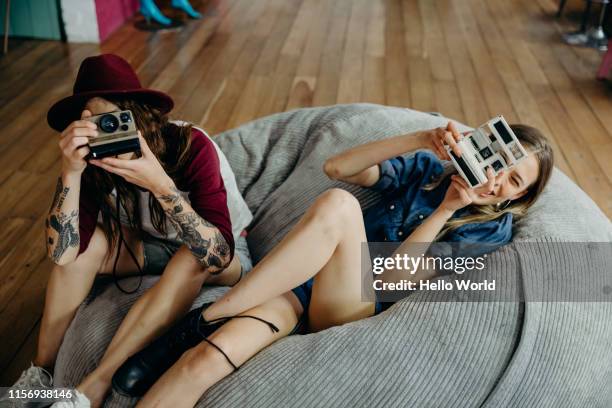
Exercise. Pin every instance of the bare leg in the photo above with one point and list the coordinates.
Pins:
(70, 284)
(229, 276)
(203, 366)
(325, 243)
(336, 291)
(152, 313)
(328, 239)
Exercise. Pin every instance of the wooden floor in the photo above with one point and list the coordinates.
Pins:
(469, 59)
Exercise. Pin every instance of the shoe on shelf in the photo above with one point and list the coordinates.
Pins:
(187, 8)
(149, 10)
(143, 369)
(78, 400)
(32, 378)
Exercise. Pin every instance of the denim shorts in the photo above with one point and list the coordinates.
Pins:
(304, 293)
(157, 254)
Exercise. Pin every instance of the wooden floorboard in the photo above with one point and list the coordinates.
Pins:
(468, 59)
(328, 80)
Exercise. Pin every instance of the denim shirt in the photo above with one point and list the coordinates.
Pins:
(405, 205)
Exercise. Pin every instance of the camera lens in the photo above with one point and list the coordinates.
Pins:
(125, 117)
(109, 123)
(124, 128)
(486, 153)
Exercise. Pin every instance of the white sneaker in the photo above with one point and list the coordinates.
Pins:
(33, 377)
(78, 400)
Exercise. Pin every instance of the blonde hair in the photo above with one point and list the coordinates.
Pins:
(536, 143)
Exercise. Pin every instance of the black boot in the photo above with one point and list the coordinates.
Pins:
(143, 369)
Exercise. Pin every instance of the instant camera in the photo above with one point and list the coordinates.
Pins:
(117, 134)
(494, 145)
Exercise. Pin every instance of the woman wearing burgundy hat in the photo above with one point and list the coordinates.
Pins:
(170, 200)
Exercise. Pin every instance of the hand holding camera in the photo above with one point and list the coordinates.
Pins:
(96, 138)
(145, 171)
(492, 146)
(436, 139)
(74, 143)
(460, 194)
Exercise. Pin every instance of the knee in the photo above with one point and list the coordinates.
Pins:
(339, 200)
(93, 256)
(190, 265)
(335, 207)
(205, 360)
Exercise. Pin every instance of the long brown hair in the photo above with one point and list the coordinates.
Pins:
(169, 142)
(535, 143)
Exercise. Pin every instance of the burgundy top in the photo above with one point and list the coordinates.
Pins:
(201, 178)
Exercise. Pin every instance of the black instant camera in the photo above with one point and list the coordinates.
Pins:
(494, 145)
(117, 134)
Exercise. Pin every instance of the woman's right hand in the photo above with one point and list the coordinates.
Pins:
(73, 143)
(435, 139)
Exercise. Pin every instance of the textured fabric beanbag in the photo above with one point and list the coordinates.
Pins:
(432, 349)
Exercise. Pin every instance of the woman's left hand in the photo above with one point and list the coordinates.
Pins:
(146, 171)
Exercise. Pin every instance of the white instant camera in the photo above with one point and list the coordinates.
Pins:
(492, 144)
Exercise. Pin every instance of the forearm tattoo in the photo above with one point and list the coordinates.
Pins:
(67, 236)
(65, 225)
(60, 195)
(211, 252)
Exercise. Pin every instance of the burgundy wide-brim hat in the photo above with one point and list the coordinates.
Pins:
(104, 75)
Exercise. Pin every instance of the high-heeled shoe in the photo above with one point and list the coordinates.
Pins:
(149, 10)
(186, 7)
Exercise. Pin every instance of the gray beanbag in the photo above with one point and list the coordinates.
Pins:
(433, 349)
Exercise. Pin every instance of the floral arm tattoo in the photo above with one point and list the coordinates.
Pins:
(203, 239)
(61, 224)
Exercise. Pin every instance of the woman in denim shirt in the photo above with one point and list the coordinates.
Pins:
(315, 271)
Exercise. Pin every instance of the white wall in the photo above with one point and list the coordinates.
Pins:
(80, 20)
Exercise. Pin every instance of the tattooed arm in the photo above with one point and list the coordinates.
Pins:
(62, 223)
(203, 239)
(63, 237)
